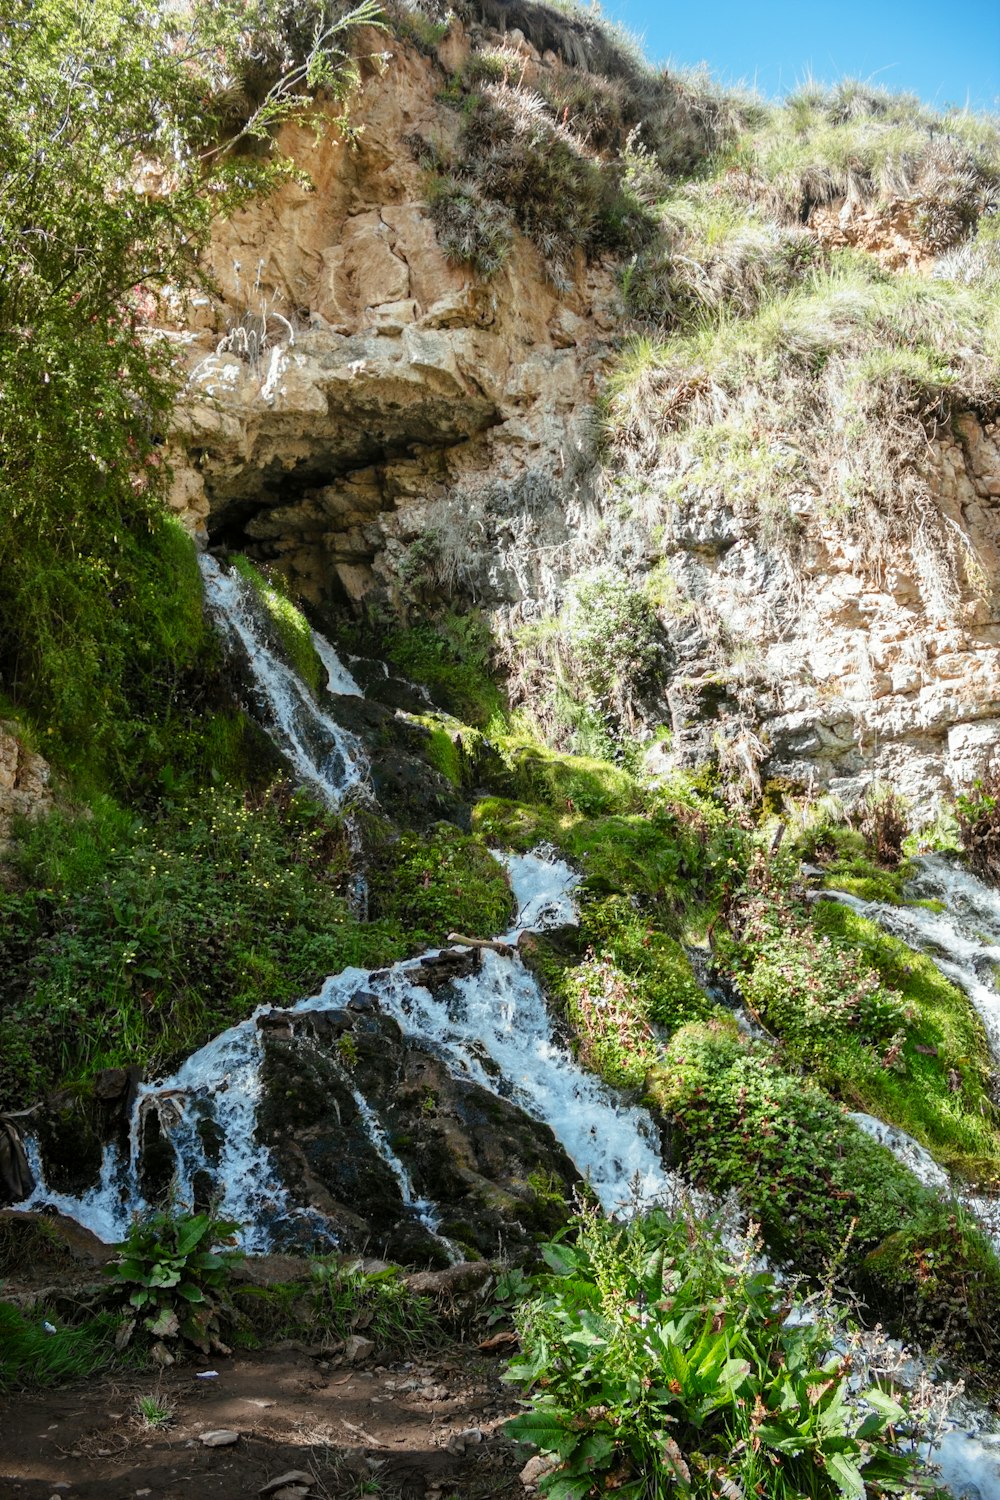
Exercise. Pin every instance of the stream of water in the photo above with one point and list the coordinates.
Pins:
(492, 1028)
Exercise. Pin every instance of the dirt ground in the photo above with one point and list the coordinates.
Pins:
(427, 1430)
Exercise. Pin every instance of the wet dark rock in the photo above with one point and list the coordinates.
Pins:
(364, 1001)
(410, 791)
(111, 1084)
(157, 1163)
(496, 1177)
(438, 969)
(69, 1144)
(16, 1180)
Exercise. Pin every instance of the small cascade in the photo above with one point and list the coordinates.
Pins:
(492, 1028)
(338, 678)
(106, 1209)
(326, 757)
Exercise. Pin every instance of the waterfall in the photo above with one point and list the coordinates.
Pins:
(328, 759)
(491, 1027)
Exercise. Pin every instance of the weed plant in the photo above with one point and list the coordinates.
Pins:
(661, 1360)
(173, 1271)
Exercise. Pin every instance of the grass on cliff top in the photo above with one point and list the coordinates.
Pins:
(825, 389)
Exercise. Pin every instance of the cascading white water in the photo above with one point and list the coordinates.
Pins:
(326, 757)
(492, 1027)
(499, 1013)
(338, 678)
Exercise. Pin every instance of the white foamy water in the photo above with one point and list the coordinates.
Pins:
(338, 678)
(326, 757)
(492, 1028)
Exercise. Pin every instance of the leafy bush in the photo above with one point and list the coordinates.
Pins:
(178, 1278)
(442, 881)
(134, 942)
(661, 1361)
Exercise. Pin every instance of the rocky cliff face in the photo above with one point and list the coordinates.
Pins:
(353, 384)
(383, 424)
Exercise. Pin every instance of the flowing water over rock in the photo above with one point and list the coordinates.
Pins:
(326, 757)
(367, 1063)
(491, 1029)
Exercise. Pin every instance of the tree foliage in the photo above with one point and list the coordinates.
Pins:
(118, 148)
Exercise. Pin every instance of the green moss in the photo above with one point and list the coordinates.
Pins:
(507, 824)
(292, 627)
(939, 1277)
(568, 783)
(452, 657)
(441, 881)
(940, 1090)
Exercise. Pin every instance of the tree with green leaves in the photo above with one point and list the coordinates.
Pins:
(126, 129)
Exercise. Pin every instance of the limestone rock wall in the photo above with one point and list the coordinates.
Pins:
(378, 421)
(350, 378)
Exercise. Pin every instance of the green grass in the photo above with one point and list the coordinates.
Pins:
(31, 1358)
(440, 881)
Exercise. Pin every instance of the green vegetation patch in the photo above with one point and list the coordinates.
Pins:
(441, 881)
(938, 1088)
(657, 1359)
(30, 1357)
(815, 1184)
(134, 941)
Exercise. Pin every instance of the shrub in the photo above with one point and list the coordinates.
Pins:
(881, 819)
(606, 1010)
(659, 1360)
(442, 881)
(978, 813)
(178, 1278)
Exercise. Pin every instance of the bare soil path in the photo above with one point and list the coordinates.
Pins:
(426, 1430)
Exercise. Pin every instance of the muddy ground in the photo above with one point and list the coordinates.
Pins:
(394, 1431)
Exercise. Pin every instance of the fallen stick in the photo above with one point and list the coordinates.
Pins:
(495, 945)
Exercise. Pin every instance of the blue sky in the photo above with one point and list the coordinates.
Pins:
(947, 53)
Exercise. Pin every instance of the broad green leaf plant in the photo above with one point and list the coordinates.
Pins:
(177, 1267)
(660, 1360)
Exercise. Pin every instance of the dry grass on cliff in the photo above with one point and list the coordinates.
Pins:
(868, 146)
(822, 399)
